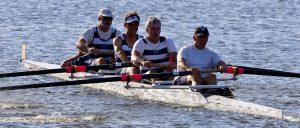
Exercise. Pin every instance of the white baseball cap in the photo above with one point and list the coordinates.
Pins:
(106, 13)
(132, 19)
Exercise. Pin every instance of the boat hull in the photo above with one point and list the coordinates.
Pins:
(181, 97)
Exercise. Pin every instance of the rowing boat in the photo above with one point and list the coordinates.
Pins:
(177, 95)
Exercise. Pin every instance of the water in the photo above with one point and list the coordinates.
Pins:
(261, 34)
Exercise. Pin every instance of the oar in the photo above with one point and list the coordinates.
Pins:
(67, 70)
(259, 71)
(252, 68)
(125, 78)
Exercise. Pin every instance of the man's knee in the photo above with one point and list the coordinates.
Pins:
(213, 76)
(212, 79)
(101, 61)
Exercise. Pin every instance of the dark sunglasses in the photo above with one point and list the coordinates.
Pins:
(202, 36)
(107, 18)
(135, 23)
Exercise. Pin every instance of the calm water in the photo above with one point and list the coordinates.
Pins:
(250, 33)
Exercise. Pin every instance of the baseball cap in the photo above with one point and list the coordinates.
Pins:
(201, 31)
(132, 19)
(106, 13)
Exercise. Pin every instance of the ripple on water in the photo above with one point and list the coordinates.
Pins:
(256, 34)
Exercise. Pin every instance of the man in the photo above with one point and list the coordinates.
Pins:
(196, 57)
(95, 45)
(153, 52)
(123, 43)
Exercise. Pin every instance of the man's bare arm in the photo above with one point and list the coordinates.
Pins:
(82, 46)
(182, 64)
(117, 42)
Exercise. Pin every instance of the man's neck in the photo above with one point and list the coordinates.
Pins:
(199, 47)
(153, 40)
(103, 29)
(130, 35)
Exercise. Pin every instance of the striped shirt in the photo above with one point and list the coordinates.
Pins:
(155, 53)
(127, 50)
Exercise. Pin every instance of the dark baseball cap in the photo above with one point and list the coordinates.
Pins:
(201, 31)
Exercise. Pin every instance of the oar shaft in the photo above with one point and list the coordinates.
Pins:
(109, 66)
(256, 71)
(62, 83)
(67, 69)
(252, 68)
(138, 77)
(271, 73)
(28, 73)
(100, 80)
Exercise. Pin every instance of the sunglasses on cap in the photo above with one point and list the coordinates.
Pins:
(135, 23)
(107, 18)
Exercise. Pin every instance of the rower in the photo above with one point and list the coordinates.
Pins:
(123, 43)
(196, 57)
(153, 52)
(95, 45)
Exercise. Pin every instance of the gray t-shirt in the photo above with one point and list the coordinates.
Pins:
(202, 59)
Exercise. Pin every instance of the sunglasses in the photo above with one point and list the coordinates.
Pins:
(202, 36)
(107, 18)
(135, 23)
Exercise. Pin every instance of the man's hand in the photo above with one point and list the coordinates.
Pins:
(65, 63)
(195, 70)
(147, 64)
(93, 50)
(222, 68)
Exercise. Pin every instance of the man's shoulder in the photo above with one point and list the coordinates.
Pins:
(90, 29)
(141, 40)
(117, 31)
(185, 49)
(188, 46)
(210, 51)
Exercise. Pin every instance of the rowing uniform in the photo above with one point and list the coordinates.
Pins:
(155, 53)
(103, 41)
(194, 57)
(127, 49)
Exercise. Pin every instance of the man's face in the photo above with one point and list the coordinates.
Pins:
(200, 41)
(153, 30)
(132, 27)
(105, 22)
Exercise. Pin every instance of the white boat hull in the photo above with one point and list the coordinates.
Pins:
(182, 97)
